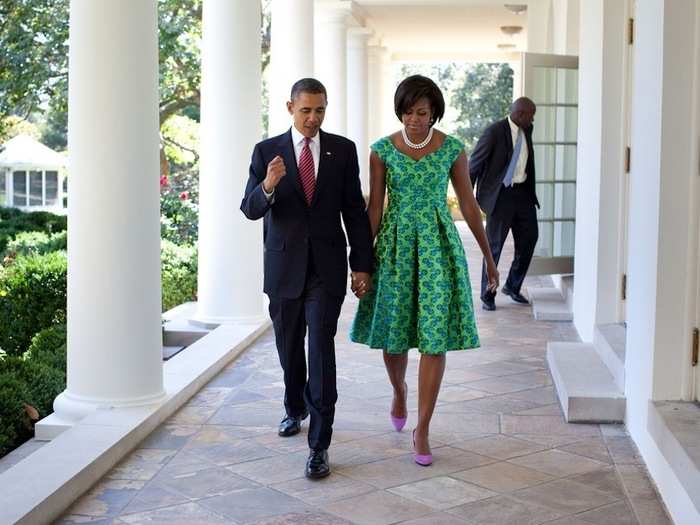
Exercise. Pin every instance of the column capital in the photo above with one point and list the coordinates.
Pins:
(358, 36)
(333, 11)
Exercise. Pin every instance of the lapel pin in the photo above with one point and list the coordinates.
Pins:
(328, 152)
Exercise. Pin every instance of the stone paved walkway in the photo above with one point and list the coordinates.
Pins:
(503, 453)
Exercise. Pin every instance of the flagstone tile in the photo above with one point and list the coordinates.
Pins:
(251, 505)
(154, 496)
(210, 396)
(545, 425)
(502, 510)
(619, 513)
(499, 446)
(172, 437)
(541, 395)
(623, 450)
(141, 464)
(275, 469)
(377, 508)
(594, 448)
(219, 446)
(204, 483)
(606, 480)
(107, 498)
(442, 492)
(489, 404)
(565, 495)
(189, 415)
(438, 518)
(650, 511)
(503, 476)
(327, 490)
(186, 514)
(309, 517)
(558, 463)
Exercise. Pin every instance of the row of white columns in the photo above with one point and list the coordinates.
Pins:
(114, 305)
(114, 292)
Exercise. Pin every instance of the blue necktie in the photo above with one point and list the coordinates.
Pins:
(508, 179)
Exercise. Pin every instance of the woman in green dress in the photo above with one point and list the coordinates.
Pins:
(421, 296)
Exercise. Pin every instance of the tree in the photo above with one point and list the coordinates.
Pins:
(482, 97)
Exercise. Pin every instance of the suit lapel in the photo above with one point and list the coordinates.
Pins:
(325, 158)
(290, 162)
(508, 137)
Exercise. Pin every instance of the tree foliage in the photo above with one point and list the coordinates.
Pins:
(482, 97)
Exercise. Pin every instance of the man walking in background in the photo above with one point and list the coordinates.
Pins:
(502, 167)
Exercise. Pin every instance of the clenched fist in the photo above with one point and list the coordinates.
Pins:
(275, 172)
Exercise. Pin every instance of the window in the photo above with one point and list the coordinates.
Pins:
(19, 188)
(3, 191)
(51, 188)
(34, 188)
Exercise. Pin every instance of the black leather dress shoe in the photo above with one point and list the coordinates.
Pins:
(317, 465)
(516, 296)
(291, 425)
(488, 303)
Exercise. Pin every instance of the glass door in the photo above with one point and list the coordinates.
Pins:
(551, 81)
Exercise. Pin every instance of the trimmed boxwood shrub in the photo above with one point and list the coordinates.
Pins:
(36, 243)
(15, 425)
(178, 274)
(32, 297)
(14, 221)
(49, 347)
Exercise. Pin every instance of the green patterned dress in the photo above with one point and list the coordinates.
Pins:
(421, 296)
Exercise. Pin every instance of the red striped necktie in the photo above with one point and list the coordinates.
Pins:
(307, 174)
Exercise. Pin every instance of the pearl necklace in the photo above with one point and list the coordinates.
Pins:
(413, 145)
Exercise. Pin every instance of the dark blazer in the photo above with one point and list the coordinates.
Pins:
(489, 161)
(291, 225)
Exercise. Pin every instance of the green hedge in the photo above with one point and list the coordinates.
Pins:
(178, 274)
(15, 425)
(32, 297)
(14, 221)
(24, 381)
(36, 243)
(49, 347)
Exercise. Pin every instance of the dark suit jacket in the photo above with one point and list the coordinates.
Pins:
(489, 162)
(291, 225)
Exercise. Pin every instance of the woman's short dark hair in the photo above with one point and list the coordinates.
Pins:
(412, 89)
(307, 85)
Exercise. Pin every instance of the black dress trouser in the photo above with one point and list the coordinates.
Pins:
(317, 311)
(514, 211)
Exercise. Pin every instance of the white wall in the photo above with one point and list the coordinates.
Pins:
(600, 177)
(661, 188)
(539, 26)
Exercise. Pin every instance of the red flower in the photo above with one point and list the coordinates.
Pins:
(163, 180)
(184, 196)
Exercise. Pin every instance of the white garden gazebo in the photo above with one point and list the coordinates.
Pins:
(31, 175)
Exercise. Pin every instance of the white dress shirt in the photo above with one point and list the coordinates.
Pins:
(314, 146)
(519, 175)
(298, 143)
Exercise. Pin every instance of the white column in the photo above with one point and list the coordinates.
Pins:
(377, 60)
(539, 26)
(600, 165)
(292, 55)
(330, 60)
(661, 263)
(114, 304)
(358, 112)
(565, 30)
(230, 247)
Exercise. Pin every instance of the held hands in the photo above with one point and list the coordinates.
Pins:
(493, 276)
(275, 172)
(360, 283)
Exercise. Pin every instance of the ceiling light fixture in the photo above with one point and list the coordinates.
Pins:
(511, 30)
(516, 8)
(505, 47)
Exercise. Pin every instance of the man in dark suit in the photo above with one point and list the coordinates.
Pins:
(502, 167)
(302, 182)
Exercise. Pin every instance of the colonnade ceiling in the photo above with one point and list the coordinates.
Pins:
(444, 29)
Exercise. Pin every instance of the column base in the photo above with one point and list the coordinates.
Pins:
(211, 322)
(69, 409)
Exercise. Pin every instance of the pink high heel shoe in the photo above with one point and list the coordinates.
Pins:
(400, 422)
(424, 460)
